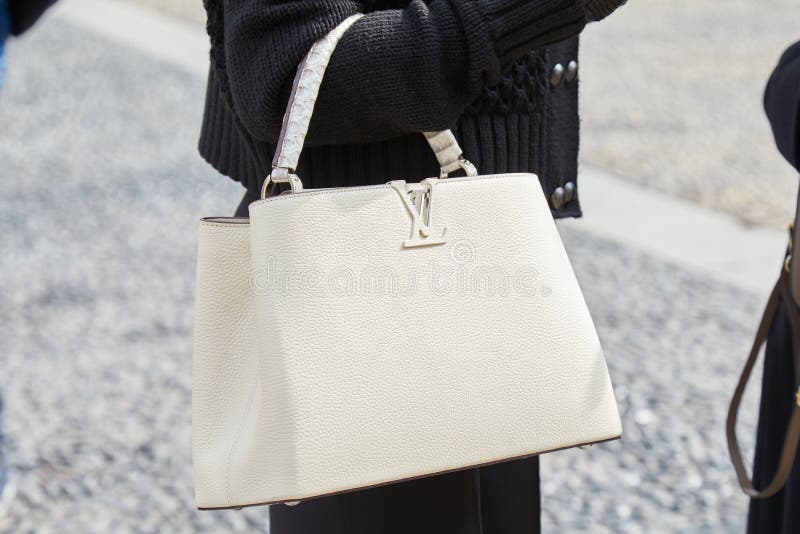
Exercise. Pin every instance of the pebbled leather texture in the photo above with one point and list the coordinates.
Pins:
(226, 357)
(351, 337)
(342, 359)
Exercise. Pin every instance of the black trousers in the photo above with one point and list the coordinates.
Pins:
(497, 499)
(779, 514)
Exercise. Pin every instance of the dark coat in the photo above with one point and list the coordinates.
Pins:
(779, 514)
(24, 13)
(782, 104)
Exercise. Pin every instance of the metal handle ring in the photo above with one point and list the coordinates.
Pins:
(281, 175)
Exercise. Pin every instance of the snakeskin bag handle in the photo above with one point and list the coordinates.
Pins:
(297, 118)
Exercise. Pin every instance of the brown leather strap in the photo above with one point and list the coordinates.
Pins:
(781, 291)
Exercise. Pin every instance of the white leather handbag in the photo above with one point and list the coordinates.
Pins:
(359, 336)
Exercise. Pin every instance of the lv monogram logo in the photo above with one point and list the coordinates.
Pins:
(417, 200)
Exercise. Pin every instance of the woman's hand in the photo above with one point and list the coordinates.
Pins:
(599, 9)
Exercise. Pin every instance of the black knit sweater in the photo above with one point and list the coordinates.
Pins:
(482, 68)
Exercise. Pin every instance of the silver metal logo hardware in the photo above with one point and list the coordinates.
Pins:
(417, 200)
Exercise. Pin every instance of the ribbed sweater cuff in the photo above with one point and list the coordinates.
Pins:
(518, 26)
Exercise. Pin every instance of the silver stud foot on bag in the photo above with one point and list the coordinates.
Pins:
(352, 337)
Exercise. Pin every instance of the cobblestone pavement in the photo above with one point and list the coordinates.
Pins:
(102, 190)
(671, 98)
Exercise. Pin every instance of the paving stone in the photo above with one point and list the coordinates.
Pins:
(671, 98)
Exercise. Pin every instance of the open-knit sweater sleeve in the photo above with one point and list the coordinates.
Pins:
(411, 67)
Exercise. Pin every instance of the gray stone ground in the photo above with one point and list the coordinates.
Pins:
(186, 9)
(675, 343)
(671, 98)
(101, 192)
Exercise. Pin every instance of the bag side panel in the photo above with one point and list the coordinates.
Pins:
(225, 360)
